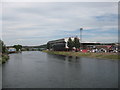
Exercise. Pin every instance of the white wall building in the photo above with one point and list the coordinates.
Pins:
(11, 50)
(60, 44)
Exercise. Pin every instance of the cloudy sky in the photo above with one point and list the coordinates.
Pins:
(35, 23)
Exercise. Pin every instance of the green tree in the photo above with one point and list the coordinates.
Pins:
(76, 43)
(17, 47)
(3, 53)
(70, 44)
(48, 46)
(3, 48)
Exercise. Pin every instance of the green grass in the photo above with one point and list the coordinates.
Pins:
(112, 56)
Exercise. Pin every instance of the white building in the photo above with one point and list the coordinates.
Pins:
(60, 44)
(11, 50)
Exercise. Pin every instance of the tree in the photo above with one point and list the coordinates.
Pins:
(76, 43)
(3, 52)
(17, 47)
(70, 44)
(48, 46)
(3, 48)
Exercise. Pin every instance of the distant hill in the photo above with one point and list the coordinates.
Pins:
(41, 46)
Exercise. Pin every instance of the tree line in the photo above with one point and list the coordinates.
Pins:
(18, 47)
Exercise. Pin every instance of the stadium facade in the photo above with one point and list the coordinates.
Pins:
(61, 44)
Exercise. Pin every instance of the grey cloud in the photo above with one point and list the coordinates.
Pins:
(49, 20)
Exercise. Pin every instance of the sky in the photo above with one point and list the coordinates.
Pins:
(36, 23)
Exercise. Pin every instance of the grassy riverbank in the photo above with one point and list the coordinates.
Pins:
(3, 58)
(113, 56)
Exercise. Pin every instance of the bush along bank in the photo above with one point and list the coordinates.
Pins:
(3, 52)
(4, 58)
(112, 56)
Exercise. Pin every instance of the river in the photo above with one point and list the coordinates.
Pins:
(35, 69)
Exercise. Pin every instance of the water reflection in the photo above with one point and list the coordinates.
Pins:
(65, 58)
(73, 59)
(42, 70)
(61, 57)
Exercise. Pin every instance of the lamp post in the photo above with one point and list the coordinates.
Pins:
(81, 37)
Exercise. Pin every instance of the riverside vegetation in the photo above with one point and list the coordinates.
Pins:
(113, 56)
(4, 58)
(3, 53)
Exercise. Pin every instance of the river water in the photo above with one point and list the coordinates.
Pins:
(34, 69)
